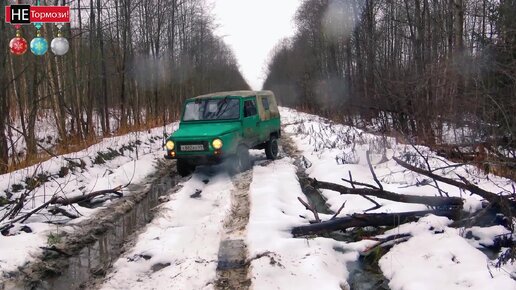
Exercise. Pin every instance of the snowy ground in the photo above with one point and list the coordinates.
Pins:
(437, 256)
(179, 248)
(112, 162)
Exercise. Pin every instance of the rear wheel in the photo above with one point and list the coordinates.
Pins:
(272, 148)
(184, 168)
(240, 161)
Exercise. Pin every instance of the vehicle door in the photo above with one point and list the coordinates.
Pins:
(265, 116)
(250, 122)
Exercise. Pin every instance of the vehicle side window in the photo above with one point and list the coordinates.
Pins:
(265, 103)
(249, 108)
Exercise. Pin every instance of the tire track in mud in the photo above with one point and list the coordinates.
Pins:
(233, 258)
(233, 266)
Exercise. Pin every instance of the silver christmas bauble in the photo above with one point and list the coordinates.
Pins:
(59, 46)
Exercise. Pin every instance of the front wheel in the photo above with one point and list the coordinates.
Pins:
(184, 168)
(272, 148)
(240, 161)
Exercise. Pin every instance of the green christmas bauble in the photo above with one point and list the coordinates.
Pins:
(39, 46)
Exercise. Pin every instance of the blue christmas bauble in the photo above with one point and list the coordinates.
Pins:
(39, 46)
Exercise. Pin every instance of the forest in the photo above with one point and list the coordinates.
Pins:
(417, 69)
(130, 65)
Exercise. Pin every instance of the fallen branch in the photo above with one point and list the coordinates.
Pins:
(429, 169)
(26, 216)
(386, 242)
(88, 197)
(437, 201)
(362, 220)
(57, 250)
(64, 201)
(57, 210)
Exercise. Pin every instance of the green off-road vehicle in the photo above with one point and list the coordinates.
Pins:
(223, 127)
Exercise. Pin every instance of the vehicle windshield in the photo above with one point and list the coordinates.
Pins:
(212, 109)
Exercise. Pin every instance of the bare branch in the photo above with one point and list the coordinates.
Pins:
(310, 208)
(338, 212)
(372, 170)
(350, 181)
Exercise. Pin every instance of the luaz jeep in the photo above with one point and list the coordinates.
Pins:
(223, 127)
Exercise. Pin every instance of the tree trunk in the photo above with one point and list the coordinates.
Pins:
(365, 220)
(104, 110)
(4, 107)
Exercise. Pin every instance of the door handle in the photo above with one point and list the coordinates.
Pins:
(257, 123)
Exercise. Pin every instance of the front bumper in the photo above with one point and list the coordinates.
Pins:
(199, 159)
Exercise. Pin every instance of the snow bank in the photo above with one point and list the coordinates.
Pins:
(442, 260)
(127, 158)
(437, 256)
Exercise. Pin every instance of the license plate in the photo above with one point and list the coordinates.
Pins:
(192, 147)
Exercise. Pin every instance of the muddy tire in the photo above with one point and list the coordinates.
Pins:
(272, 148)
(184, 168)
(240, 161)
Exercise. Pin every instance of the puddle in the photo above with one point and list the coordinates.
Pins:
(364, 273)
(232, 254)
(92, 260)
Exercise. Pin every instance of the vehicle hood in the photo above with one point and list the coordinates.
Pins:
(205, 129)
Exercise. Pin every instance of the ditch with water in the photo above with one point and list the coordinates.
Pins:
(88, 255)
(364, 273)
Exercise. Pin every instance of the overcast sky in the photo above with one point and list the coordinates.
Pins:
(252, 28)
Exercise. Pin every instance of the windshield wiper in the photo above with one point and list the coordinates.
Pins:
(220, 105)
(223, 101)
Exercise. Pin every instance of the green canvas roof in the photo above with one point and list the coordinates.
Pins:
(235, 93)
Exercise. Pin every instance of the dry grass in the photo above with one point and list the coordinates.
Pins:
(76, 144)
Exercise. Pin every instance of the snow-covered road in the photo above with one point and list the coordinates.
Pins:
(180, 246)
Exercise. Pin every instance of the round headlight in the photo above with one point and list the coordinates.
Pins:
(170, 145)
(217, 143)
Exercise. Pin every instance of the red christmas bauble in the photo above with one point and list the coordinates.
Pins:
(18, 45)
